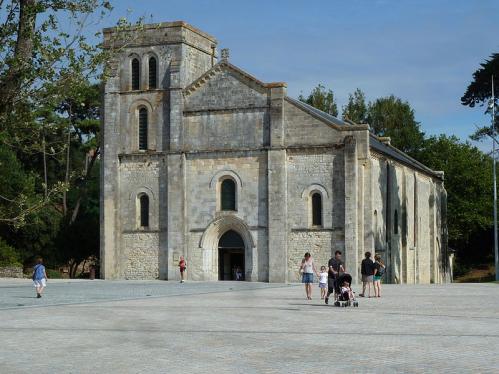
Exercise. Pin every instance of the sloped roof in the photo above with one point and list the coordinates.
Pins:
(310, 109)
(400, 156)
(374, 142)
(224, 64)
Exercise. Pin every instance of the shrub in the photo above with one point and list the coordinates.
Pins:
(53, 274)
(8, 255)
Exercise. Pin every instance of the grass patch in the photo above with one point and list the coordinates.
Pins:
(478, 274)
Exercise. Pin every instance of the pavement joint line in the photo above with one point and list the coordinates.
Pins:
(251, 332)
(287, 285)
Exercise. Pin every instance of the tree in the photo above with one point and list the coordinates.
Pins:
(479, 92)
(321, 99)
(468, 181)
(356, 108)
(42, 66)
(392, 117)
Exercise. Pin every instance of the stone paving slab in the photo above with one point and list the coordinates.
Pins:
(239, 327)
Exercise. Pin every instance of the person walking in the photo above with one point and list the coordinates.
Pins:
(336, 266)
(323, 282)
(39, 277)
(379, 271)
(182, 266)
(308, 269)
(367, 271)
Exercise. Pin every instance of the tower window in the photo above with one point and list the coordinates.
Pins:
(316, 209)
(228, 195)
(143, 129)
(152, 73)
(144, 210)
(135, 74)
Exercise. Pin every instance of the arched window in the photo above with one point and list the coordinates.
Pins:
(316, 209)
(144, 210)
(396, 222)
(135, 74)
(228, 195)
(143, 129)
(152, 73)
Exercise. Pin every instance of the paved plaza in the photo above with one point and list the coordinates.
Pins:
(240, 327)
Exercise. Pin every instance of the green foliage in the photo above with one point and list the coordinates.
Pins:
(468, 181)
(49, 126)
(53, 274)
(321, 99)
(8, 255)
(356, 108)
(468, 177)
(390, 116)
(479, 92)
(48, 108)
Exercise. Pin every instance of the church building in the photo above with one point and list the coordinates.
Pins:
(200, 159)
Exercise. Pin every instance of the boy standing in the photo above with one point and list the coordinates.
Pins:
(39, 277)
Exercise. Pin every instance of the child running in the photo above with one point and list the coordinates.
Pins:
(39, 277)
(323, 281)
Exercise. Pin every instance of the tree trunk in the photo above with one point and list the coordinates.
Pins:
(88, 170)
(45, 168)
(12, 81)
(66, 179)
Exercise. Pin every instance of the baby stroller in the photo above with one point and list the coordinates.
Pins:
(344, 300)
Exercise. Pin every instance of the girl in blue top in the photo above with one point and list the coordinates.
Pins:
(39, 277)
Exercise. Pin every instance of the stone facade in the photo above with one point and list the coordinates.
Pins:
(303, 180)
(11, 272)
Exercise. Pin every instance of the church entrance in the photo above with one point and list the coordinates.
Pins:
(231, 256)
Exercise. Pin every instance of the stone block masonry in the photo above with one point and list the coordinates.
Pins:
(209, 150)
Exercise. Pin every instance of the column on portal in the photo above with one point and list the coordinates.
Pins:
(277, 189)
(351, 208)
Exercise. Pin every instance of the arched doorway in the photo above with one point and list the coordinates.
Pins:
(231, 256)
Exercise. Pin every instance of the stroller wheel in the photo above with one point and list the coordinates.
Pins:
(356, 304)
(337, 303)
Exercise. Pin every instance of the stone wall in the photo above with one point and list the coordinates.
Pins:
(204, 173)
(406, 225)
(11, 272)
(206, 124)
(316, 241)
(140, 255)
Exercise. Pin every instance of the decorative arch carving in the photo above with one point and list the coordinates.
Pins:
(226, 173)
(219, 226)
(141, 190)
(136, 104)
(315, 187)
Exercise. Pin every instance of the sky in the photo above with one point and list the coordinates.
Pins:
(424, 52)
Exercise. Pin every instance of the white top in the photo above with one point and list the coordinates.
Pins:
(308, 266)
(323, 277)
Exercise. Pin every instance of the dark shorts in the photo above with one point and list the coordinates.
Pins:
(182, 270)
(307, 278)
(331, 283)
